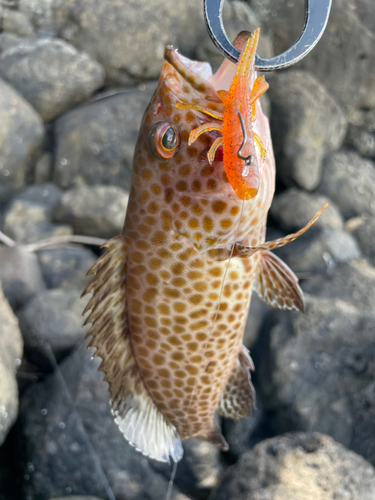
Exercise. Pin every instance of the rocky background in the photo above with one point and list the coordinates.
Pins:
(75, 78)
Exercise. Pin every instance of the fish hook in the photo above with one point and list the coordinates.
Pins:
(247, 159)
(316, 18)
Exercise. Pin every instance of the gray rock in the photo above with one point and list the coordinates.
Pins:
(362, 141)
(66, 267)
(349, 181)
(73, 442)
(51, 74)
(27, 222)
(76, 497)
(93, 210)
(306, 124)
(20, 275)
(21, 137)
(317, 372)
(319, 252)
(15, 22)
(95, 143)
(353, 282)
(363, 228)
(296, 466)
(43, 169)
(53, 317)
(47, 16)
(128, 37)
(293, 208)
(46, 196)
(346, 38)
(10, 358)
(258, 312)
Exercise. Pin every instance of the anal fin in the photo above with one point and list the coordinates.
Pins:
(136, 414)
(238, 397)
(277, 285)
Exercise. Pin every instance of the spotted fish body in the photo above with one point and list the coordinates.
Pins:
(172, 293)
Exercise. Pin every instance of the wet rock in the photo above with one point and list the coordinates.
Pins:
(45, 195)
(51, 74)
(21, 137)
(10, 358)
(58, 432)
(66, 267)
(95, 143)
(292, 208)
(15, 22)
(296, 466)
(317, 373)
(349, 181)
(76, 497)
(128, 38)
(20, 275)
(258, 312)
(363, 228)
(306, 124)
(346, 38)
(53, 317)
(93, 211)
(47, 16)
(237, 16)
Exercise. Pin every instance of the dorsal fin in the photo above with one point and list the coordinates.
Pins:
(238, 397)
(277, 285)
(143, 425)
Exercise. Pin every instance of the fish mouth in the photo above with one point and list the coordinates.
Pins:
(222, 79)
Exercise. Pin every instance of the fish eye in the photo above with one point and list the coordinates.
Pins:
(164, 140)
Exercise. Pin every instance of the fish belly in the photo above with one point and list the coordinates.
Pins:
(186, 321)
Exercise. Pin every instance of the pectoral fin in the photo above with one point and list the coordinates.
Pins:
(136, 414)
(277, 285)
(239, 395)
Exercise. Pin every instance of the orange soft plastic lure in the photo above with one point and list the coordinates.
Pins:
(240, 98)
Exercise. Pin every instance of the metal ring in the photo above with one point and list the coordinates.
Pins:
(316, 18)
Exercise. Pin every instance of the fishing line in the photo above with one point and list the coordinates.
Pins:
(171, 481)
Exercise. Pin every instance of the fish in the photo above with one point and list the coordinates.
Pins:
(171, 294)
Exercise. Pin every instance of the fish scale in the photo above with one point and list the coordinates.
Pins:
(171, 295)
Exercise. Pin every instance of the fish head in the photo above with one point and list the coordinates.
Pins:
(174, 181)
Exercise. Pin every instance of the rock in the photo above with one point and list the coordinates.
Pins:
(353, 282)
(47, 16)
(20, 275)
(27, 222)
(296, 466)
(317, 372)
(306, 124)
(43, 169)
(293, 208)
(76, 497)
(51, 74)
(73, 442)
(128, 37)
(15, 22)
(258, 312)
(66, 267)
(237, 16)
(21, 137)
(95, 143)
(46, 196)
(362, 141)
(349, 181)
(93, 211)
(363, 228)
(346, 38)
(10, 358)
(53, 317)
